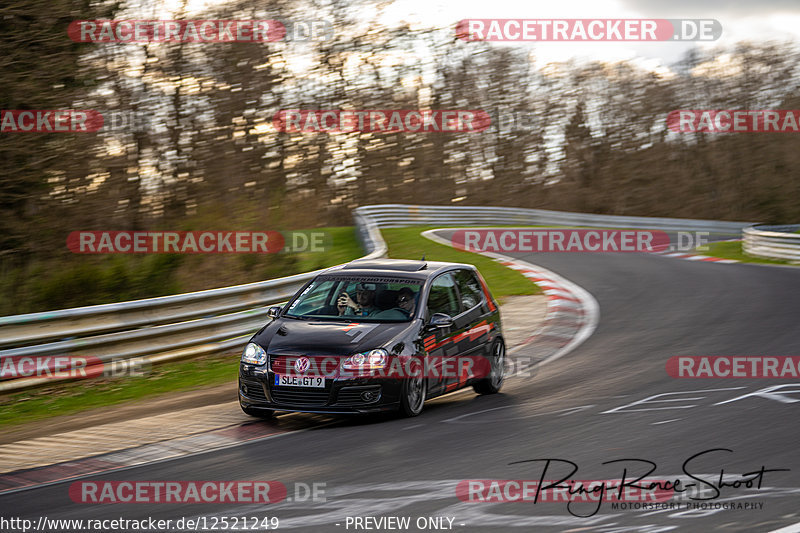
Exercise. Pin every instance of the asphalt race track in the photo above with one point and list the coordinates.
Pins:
(587, 407)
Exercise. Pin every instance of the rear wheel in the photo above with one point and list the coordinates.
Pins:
(259, 413)
(412, 396)
(494, 381)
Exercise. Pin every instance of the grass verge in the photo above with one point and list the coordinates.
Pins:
(733, 250)
(407, 243)
(73, 397)
(76, 396)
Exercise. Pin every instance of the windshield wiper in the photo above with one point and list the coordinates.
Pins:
(295, 317)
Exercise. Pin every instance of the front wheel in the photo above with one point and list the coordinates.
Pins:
(494, 381)
(412, 396)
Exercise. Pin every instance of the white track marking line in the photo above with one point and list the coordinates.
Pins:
(666, 421)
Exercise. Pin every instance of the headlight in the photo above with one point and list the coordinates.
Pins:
(254, 354)
(371, 360)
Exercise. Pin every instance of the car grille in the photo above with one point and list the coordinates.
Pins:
(319, 364)
(299, 397)
(255, 390)
(352, 395)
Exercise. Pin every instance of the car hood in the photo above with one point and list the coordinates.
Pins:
(315, 337)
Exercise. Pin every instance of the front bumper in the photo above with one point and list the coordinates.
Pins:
(340, 395)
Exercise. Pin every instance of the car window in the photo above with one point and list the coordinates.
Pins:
(357, 298)
(313, 298)
(469, 289)
(443, 297)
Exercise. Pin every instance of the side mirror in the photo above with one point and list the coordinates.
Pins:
(273, 312)
(440, 320)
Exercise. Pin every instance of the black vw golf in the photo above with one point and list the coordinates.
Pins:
(375, 335)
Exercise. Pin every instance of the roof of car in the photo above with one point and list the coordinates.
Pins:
(404, 267)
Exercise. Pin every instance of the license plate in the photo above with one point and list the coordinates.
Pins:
(299, 381)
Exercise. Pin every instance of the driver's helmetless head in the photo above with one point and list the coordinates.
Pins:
(365, 293)
(405, 299)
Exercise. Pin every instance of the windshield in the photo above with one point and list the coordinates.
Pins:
(357, 299)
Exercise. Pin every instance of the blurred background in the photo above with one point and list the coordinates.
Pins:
(578, 127)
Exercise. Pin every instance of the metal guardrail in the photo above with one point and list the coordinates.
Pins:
(186, 325)
(772, 242)
(396, 215)
(155, 330)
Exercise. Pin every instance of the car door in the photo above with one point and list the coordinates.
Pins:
(472, 324)
(439, 343)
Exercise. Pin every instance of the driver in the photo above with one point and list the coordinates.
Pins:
(404, 306)
(405, 301)
(364, 305)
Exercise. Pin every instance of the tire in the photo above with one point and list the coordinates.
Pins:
(494, 381)
(258, 413)
(412, 396)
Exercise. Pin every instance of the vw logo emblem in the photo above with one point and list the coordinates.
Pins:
(301, 364)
